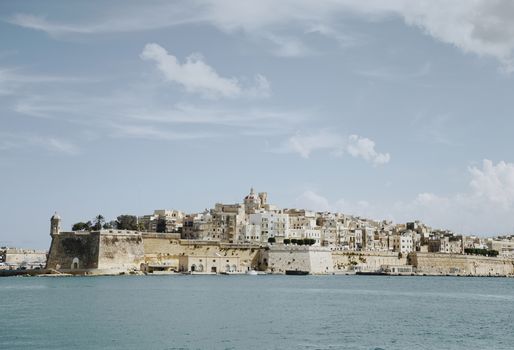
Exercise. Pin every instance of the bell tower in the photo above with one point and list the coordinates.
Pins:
(55, 224)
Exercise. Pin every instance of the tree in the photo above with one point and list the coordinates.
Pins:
(99, 221)
(109, 225)
(287, 241)
(271, 240)
(309, 241)
(126, 222)
(81, 226)
(161, 226)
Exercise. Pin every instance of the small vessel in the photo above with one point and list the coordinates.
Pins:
(371, 273)
(252, 273)
(297, 272)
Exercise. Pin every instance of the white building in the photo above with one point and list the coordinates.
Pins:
(271, 224)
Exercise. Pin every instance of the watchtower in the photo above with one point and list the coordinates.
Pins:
(55, 224)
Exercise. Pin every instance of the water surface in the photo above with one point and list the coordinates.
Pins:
(256, 312)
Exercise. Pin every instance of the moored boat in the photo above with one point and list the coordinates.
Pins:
(297, 272)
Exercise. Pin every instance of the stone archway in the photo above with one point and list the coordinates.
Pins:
(75, 264)
(200, 268)
(193, 268)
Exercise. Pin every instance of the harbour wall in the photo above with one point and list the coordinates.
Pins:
(167, 250)
(345, 261)
(114, 251)
(69, 246)
(100, 252)
(279, 259)
(456, 264)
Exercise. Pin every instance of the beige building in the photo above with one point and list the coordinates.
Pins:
(503, 245)
(211, 264)
(162, 221)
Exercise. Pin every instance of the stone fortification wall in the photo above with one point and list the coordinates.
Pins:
(24, 256)
(315, 260)
(69, 246)
(442, 264)
(365, 261)
(121, 251)
(166, 249)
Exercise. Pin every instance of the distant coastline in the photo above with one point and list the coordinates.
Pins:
(257, 236)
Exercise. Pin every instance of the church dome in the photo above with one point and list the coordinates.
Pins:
(252, 197)
(55, 217)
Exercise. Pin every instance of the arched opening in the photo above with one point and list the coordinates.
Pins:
(234, 268)
(193, 268)
(75, 264)
(200, 268)
(227, 268)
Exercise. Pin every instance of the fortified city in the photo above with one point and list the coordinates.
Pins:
(258, 237)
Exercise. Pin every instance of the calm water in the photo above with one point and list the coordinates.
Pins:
(256, 312)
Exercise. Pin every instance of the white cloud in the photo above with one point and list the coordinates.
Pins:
(482, 27)
(14, 79)
(41, 23)
(494, 182)
(310, 200)
(286, 46)
(486, 209)
(365, 148)
(354, 145)
(197, 76)
(249, 119)
(153, 133)
(55, 144)
(396, 75)
(11, 141)
(304, 145)
(132, 18)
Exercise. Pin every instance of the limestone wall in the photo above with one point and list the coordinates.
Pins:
(25, 256)
(365, 261)
(120, 251)
(442, 264)
(280, 258)
(67, 246)
(167, 250)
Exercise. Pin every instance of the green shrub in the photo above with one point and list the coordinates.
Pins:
(478, 251)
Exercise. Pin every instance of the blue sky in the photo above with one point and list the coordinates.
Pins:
(399, 110)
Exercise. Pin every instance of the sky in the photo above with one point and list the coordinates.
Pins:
(398, 110)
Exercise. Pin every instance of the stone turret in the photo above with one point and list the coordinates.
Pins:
(264, 198)
(55, 224)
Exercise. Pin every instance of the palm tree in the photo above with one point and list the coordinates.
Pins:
(99, 220)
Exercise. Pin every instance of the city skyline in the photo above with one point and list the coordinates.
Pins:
(397, 110)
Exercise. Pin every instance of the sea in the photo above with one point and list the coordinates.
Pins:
(256, 312)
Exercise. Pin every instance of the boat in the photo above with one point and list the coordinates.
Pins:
(297, 272)
(252, 273)
(371, 273)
